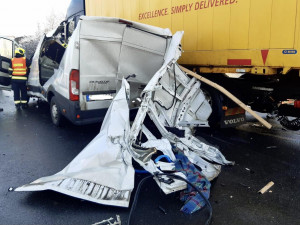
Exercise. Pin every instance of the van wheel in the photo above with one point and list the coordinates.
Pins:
(56, 115)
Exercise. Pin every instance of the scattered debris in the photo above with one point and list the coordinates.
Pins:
(11, 189)
(162, 209)
(256, 125)
(109, 221)
(270, 116)
(245, 185)
(251, 171)
(266, 188)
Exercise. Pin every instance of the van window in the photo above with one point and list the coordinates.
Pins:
(6, 48)
(50, 58)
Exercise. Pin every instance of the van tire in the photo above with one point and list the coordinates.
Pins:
(55, 112)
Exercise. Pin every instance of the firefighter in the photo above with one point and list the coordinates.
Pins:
(19, 71)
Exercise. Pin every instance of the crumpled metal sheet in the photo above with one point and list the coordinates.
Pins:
(102, 172)
(183, 111)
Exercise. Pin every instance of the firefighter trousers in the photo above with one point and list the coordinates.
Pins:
(20, 91)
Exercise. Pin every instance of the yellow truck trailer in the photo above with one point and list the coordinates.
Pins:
(250, 47)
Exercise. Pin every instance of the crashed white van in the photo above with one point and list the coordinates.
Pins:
(80, 81)
(103, 171)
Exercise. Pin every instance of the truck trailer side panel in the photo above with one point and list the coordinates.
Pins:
(260, 37)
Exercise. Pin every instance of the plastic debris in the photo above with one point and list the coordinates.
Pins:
(11, 189)
(245, 185)
(162, 209)
(110, 221)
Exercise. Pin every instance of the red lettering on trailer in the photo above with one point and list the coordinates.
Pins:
(152, 14)
(197, 5)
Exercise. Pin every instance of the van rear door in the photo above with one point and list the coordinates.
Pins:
(110, 51)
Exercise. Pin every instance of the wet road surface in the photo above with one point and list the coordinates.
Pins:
(31, 147)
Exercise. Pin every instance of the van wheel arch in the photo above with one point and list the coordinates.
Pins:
(50, 96)
(55, 112)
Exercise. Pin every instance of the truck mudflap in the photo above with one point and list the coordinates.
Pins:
(233, 117)
(233, 121)
(103, 171)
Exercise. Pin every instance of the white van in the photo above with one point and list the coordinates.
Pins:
(80, 80)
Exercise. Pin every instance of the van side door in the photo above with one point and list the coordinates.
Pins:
(6, 54)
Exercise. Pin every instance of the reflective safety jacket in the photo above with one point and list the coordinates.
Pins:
(19, 68)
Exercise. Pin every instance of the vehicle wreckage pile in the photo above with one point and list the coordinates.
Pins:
(103, 171)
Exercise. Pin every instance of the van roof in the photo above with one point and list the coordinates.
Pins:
(144, 27)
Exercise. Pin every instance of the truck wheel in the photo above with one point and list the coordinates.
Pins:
(214, 98)
(56, 115)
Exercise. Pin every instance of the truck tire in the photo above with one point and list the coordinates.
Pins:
(214, 98)
(55, 112)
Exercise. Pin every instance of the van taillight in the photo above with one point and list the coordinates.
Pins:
(74, 85)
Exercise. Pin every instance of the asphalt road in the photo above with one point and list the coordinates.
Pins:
(31, 147)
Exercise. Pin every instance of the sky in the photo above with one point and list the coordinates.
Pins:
(20, 17)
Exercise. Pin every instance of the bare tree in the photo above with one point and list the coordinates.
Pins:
(29, 43)
(52, 21)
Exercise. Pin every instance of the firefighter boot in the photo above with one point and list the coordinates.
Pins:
(18, 106)
(24, 105)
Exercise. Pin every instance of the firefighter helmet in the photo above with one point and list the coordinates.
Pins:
(20, 51)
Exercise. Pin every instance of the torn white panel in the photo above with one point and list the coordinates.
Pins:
(102, 172)
(172, 99)
(147, 133)
(162, 145)
(33, 77)
(175, 184)
(164, 166)
(209, 170)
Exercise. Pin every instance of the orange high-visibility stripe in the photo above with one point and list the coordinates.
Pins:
(19, 66)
